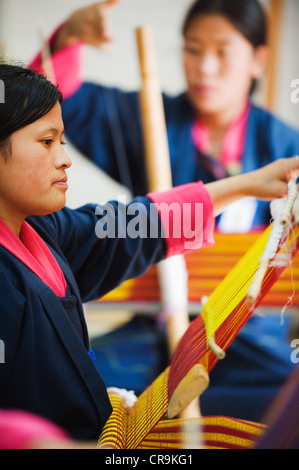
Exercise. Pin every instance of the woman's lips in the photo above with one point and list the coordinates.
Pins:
(204, 90)
(62, 182)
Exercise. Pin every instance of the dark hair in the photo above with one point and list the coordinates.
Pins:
(28, 96)
(247, 16)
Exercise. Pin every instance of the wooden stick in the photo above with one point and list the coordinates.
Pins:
(160, 178)
(152, 111)
(3, 50)
(46, 53)
(276, 8)
(195, 382)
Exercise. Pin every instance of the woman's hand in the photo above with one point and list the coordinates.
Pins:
(267, 183)
(90, 25)
(271, 181)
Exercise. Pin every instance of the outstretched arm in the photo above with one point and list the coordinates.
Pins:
(267, 183)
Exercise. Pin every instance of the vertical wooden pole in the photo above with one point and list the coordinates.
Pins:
(46, 53)
(172, 271)
(276, 8)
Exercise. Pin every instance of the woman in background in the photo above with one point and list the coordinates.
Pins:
(214, 130)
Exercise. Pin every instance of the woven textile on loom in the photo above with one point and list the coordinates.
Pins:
(206, 269)
(223, 316)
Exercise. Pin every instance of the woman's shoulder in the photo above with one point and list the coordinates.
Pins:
(270, 130)
(264, 116)
(63, 220)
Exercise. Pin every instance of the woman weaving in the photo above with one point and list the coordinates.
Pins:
(218, 130)
(52, 260)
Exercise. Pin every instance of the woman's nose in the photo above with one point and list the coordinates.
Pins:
(208, 64)
(62, 159)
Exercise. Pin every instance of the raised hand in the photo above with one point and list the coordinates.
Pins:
(90, 24)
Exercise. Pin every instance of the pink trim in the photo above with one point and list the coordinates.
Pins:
(66, 64)
(34, 253)
(193, 211)
(234, 140)
(19, 429)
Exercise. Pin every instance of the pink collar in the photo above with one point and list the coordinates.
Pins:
(34, 253)
(233, 142)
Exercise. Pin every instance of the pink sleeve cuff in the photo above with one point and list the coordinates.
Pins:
(66, 64)
(187, 217)
(18, 429)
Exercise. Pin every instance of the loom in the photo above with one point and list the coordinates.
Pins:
(151, 420)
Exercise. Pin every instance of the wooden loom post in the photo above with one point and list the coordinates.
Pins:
(46, 53)
(172, 272)
(275, 17)
(156, 150)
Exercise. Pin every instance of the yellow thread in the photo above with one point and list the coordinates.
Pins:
(233, 288)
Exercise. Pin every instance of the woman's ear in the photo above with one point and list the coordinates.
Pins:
(261, 58)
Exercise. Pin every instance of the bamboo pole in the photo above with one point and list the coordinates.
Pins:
(46, 53)
(172, 272)
(276, 8)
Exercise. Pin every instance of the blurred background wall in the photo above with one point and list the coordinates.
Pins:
(18, 20)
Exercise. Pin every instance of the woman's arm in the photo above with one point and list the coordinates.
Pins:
(90, 25)
(267, 183)
(108, 244)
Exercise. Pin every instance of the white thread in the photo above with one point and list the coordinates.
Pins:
(281, 260)
(296, 210)
(292, 195)
(284, 259)
(128, 396)
(273, 241)
(281, 212)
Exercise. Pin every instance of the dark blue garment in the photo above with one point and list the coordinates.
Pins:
(104, 124)
(48, 370)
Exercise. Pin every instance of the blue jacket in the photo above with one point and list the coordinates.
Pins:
(48, 370)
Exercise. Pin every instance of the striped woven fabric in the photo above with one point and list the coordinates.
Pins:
(225, 312)
(206, 269)
(212, 432)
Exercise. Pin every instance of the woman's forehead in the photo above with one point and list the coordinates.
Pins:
(215, 27)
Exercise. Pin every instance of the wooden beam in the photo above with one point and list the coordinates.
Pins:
(276, 9)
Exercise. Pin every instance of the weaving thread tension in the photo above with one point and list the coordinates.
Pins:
(290, 209)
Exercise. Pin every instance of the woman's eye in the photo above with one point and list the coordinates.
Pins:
(47, 142)
(223, 52)
(192, 50)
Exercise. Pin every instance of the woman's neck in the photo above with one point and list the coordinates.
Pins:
(217, 124)
(14, 223)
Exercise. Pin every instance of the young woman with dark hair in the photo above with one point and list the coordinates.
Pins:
(52, 260)
(214, 130)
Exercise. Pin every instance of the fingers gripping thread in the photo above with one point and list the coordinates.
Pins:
(284, 213)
